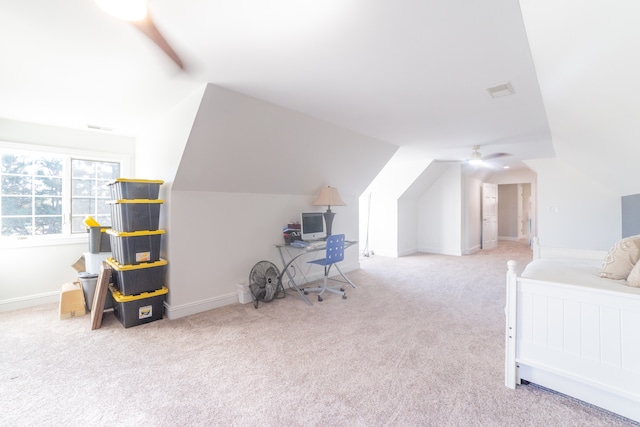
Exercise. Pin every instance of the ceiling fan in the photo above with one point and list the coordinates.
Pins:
(136, 12)
(476, 158)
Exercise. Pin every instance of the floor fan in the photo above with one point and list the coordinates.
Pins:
(264, 283)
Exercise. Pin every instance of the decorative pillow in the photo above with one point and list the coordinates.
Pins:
(621, 258)
(634, 276)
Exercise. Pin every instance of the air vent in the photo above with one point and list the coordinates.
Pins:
(96, 127)
(501, 90)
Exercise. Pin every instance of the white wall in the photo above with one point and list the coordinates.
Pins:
(408, 220)
(218, 249)
(574, 211)
(158, 156)
(472, 215)
(249, 167)
(383, 223)
(440, 213)
(32, 274)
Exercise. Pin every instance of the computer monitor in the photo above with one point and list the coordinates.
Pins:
(312, 226)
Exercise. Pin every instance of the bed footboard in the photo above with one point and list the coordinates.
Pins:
(579, 341)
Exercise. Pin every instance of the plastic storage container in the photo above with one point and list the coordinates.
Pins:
(99, 241)
(139, 278)
(123, 188)
(135, 215)
(133, 310)
(135, 247)
(89, 282)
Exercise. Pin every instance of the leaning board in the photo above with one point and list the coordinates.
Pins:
(100, 296)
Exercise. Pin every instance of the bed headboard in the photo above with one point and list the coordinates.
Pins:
(564, 253)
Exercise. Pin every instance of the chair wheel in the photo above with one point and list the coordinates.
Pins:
(319, 298)
(344, 296)
(341, 289)
(305, 292)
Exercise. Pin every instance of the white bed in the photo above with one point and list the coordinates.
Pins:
(571, 331)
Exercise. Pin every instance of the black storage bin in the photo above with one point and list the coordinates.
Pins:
(135, 247)
(135, 215)
(136, 310)
(139, 278)
(123, 188)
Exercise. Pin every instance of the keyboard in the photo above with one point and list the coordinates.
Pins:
(313, 244)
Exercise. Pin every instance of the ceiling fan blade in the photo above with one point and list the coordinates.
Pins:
(147, 26)
(495, 156)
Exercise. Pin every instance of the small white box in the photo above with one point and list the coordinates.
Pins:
(244, 294)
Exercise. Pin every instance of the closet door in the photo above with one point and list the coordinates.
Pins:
(489, 216)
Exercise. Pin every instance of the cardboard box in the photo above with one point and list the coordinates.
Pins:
(71, 301)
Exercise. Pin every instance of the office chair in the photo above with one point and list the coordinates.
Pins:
(334, 254)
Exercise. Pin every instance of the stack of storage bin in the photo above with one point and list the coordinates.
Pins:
(138, 272)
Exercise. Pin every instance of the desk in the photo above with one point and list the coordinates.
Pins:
(289, 254)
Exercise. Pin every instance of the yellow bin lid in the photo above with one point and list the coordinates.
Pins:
(141, 181)
(118, 297)
(117, 233)
(115, 202)
(128, 267)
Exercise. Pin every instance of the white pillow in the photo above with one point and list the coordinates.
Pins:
(621, 258)
(634, 276)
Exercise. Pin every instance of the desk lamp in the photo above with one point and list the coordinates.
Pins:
(329, 196)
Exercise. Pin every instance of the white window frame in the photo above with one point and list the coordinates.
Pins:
(68, 153)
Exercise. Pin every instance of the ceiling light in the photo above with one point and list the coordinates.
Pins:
(501, 90)
(129, 10)
(505, 167)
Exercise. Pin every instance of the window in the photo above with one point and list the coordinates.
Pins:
(50, 193)
(89, 193)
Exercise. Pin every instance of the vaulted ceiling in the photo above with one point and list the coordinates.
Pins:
(409, 72)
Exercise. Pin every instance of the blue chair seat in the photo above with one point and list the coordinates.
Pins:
(334, 253)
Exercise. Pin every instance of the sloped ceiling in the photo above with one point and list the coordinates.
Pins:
(586, 57)
(240, 144)
(408, 72)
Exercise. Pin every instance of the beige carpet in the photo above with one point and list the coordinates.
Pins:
(419, 343)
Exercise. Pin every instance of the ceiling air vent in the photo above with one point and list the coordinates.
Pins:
(501, 90)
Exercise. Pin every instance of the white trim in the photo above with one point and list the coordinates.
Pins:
(183, 310)
(610, 399)
(29, 301)
(440, 251)
(34, 241)
(473, 250)
(68, 154)
(407, 252)
(176, 312)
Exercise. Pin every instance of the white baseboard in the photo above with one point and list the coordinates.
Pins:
(473, 250)
(176, 312)
(407, 252)
(29, 301)
(440, 251)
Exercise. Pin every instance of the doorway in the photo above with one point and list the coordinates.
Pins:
(515, 212)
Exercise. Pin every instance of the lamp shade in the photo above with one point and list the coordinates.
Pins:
(329, 196)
